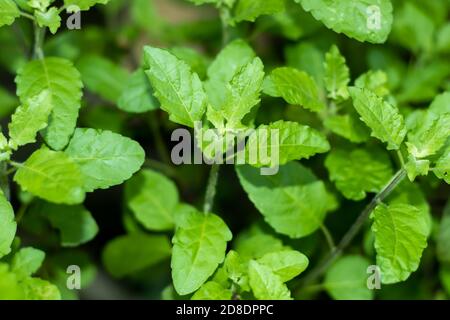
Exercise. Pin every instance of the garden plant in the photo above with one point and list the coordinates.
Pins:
(224, 149)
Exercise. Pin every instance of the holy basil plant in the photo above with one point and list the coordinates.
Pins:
(298, 123)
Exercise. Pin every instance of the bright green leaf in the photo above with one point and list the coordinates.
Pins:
(62, 80)
(27, 262)
(400, 237)
(363, 20)
(265, 284)
(212, 291)
(53, 176)
(297, 88)
(294, 202)
(8, 226)
(30, 118)
(105, 158)
(337, 74)
(249, 10)
(50, 19)
(286, 264)
(177, 88)
(153, 199)
(199, 246)
(289, 140)
(358, 171)
(346, 279)
(384, 119)
(8, 12)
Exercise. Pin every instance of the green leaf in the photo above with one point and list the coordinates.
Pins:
(129, 254)
(137, 97)
(442, 166)
(348, 126)
(236, 270)
(429, 135)
(27, 262)
(53, 176)
(198, 62)
(199, 246)
(411, 194)
(294, 202)
(8, 12)
(10, 288)
(308, 57)
(384, 119)
(105, 158)
(40, 5)
(212, 290)
(62, 80)
(346, 279)
(290, 140)
(415, 167)
(30, 118)
(84, 4)
(265, 284)
(230, 60)
(358, 171)
(400, 237)
(443, 236)
(337, 74)
(103, 77)
(441, 104)
(255, 246)
(38, 289)
(177, 88)
(227, 64)
(153, 199)
(375, 81)
(243, 92)
(249, 10)
(356, 19)
(8, 226)
(49, 18)
(75, 224)
(286, 264)
(297, 88)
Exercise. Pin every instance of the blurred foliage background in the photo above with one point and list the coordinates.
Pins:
(416, 59)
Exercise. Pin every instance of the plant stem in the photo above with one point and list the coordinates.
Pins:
(328, 236)
(4, 181)
(39, 35)
(211, 188)
(27, 15)
(353, 231)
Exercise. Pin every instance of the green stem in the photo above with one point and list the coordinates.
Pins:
(353, 231)
(211, 188)
(400, 158)
(4, 181)
(27, 15)
(21, 212)
(328, 236)
(39, 36)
